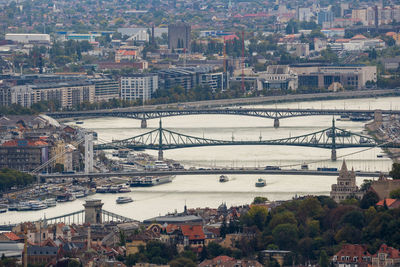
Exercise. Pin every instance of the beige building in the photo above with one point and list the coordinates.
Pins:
(346, 185)
(321, 76)
(65, 94)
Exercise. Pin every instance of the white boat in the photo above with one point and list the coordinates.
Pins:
(122, 200)
(3, 208)
(50, 202)
(124, 189)
(23, 206)
(261, 182)
(79, 194)
(37, 205)
(223, 179)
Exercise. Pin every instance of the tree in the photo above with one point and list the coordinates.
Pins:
(286, 236)
(182, 262)
(259, 200)
(395, 172)
(323, 259)
(369, 199)
(257, 215)
(395, 193)
(58, 167)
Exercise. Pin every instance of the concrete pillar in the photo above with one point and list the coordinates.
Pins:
(160, 155)
(89, 153)
(93, 211)
(276, 123)
(143, 124)
(333, 155)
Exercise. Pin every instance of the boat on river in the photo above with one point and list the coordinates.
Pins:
(261, 182)
(123, 200)
(223, 179)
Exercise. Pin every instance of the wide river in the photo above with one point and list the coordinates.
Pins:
(206, 191)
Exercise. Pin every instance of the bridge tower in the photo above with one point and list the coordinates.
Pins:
(88, 152)
(93, 211)
(160, 151)
(333, 149)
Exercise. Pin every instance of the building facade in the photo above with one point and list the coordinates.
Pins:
(179, 36)
(279, 77)
(105, 89)
(346, 185)
(23, 155)
(64, 94)
(138, 86)
(349, 76)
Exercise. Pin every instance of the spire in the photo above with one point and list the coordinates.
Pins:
(343, 171)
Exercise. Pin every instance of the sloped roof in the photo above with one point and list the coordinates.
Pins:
(194, 232)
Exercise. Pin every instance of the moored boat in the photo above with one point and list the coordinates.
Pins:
(3, 208)
(50, 202)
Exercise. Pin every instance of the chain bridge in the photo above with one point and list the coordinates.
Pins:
(331, 138)
(270, 113)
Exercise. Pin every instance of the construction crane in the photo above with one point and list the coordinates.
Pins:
(243, 89)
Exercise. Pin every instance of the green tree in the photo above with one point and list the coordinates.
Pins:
(323, 259)
(286, 236)
(182, 262)
(259, 200)
(257, 215)
(369, 199)
(395, 193)
(395, 172)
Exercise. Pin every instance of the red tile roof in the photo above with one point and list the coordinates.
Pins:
(389, 202)
(352, 250)
(12, 143)
(12, 236)
(392, 252)
(194, 232)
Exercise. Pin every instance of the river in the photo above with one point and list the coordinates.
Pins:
(206, 191)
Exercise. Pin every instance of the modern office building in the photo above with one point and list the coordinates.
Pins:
(179, 36)
(138, 86)
(322, 76)
(105, 89)
(279, 77)
(190, 77)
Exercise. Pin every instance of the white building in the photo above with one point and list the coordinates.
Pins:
(346, 185)
(278, 77)
(28, 38)
(22, 95)
(138, 86)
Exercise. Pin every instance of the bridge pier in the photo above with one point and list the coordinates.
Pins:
(333, 155)
(276, 123)
(143, 124)
(160, 155)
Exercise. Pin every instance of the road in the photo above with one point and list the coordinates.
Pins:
(206, 172)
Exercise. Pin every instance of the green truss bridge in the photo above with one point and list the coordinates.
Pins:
(331, 138)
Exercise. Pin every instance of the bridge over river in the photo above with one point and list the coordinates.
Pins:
(270, 113)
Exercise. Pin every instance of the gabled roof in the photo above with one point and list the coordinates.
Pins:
(12, 236)
(194, 232)
(359, 37)
(389, 202)
(392, 252)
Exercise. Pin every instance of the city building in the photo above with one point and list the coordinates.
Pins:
(325, 16)
(190, 77)
(64, 94)
(352, 256)
(179, 36)
(28, 38)
(322, 76)
(346, 185)
(304, 14)
(90, 37)
(138, 86)
(386, 256)
(279, 77)
(105, 89)
(23, 154)
(125, 55)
